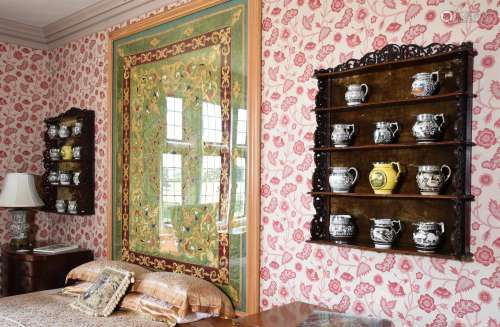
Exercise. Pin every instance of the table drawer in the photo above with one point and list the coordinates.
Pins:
(24, 268)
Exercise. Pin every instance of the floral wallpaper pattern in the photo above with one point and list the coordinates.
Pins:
(300, 36)
(24, 103)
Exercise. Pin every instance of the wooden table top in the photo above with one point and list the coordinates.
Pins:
(289, 315)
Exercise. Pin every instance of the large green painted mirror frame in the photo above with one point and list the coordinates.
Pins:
(184, 153)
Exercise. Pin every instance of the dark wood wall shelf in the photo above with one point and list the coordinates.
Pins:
(388, 73)
(393, 146)
(396, 196)
(399, 250)
(389, 103)
(83, 193)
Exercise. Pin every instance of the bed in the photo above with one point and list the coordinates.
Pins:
(51, 308)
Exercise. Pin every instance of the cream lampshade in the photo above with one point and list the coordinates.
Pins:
(19, 192)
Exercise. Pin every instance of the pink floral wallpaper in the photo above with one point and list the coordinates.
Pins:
(301, 35)
(298, 37)
(24, 103)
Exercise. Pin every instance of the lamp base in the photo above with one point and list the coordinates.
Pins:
(19, 230)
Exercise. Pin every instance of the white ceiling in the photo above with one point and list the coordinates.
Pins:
(40, 13)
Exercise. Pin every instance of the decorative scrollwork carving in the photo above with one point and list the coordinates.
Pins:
(320, 159)
(322, 96)
(319, 228)
(393, 52)
(321, 138)
(320, 180)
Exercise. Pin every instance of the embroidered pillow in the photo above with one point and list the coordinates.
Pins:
(89, 271)
(104, 295)
(187, 293)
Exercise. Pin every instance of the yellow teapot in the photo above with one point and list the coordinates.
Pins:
(384, 176)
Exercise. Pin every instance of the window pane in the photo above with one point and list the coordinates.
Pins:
(174, 118)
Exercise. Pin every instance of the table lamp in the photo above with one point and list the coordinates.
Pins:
(19, 192)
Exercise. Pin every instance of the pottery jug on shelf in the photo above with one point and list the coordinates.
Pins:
(385, 132)
(61, 206)
(66, 152)
(342, 228)
(384, 177)
(356, 94)
(424, 84)
(77, 128)
(72, 207)
(384, 232)
(53, 177)
(52, 131)
(63, 131)
(427, 128)
(342, 178)
(427, 236)
(342, 134)
(431, 178)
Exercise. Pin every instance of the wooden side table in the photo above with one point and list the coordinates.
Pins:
(293, 314)
(24, 272)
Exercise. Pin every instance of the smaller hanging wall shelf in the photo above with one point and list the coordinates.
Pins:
(68, 182)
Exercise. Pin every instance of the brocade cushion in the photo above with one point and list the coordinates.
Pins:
(104, 295)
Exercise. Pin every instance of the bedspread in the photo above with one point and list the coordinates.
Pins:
(51, 308)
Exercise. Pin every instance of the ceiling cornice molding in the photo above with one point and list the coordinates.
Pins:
(23, 34)
(95, 18)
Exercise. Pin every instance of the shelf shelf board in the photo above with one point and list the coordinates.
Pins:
(59, 185)
(394, 64)
(59, 161)
(397, 250)
(432, 98)
(395, 196)
(67, 213)
(63, 139)
(392, 146)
